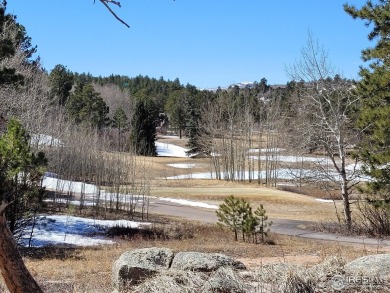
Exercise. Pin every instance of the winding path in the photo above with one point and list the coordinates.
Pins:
(279, 226)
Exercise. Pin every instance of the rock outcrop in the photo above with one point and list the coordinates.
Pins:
(135, 266)
(160, 270)
(204, 262)
(370, 265)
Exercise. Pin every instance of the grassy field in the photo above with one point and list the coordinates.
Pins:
(279, 204)
(61, 269)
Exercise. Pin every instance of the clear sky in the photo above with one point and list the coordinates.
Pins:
(207, 43)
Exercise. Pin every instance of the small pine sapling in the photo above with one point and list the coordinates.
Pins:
(230, 214)
(263, 225)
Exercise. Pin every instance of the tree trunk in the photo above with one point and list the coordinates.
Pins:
(17, 278)
(347, 208)
(344, 186)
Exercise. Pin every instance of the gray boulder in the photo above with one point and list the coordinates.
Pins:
(204, 262)
(134, 266)
(226, 280)
(370, 265)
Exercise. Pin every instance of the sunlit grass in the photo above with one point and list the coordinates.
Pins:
(89, 269)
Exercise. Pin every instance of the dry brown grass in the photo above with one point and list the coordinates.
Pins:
(279, 204)
(89, 269)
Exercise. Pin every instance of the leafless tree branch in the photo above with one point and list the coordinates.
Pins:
(105, 3)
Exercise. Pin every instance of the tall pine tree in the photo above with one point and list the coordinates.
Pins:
(143, 132)
(7, 48)
(374, 89)
(86, 106)
(21, 176)
(12, 268)
(61, 82)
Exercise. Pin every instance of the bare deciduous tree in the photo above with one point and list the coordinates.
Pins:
(232, 131)
(326, 113)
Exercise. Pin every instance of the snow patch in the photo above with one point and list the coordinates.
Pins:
(182, 165)
(273, 150)
(45, 140)
(324, 200)
(72, 231)
(189, 203)
(293, 159)
(170, 150)
(68, 186)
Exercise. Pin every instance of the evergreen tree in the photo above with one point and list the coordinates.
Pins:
(198, 138)
(374, 89)
(193, 132)
(86, 106)
(262, 223)
(192, 120)
(120, 119)
(61, 82)
(237, 215)
(7, 49)
(15, 274)
(176, 109)
(143, 132)
(20, 177)
(230, 214)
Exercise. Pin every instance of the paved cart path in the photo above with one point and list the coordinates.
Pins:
(280, 226)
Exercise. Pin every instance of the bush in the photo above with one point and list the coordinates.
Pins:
(154, 232)
(375, 215)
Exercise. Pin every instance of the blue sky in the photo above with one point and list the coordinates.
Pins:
(207, 43)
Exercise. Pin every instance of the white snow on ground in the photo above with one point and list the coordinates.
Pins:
(46, 140)
(277, 150)
(170, 136)
(70, 202)
(207, 175)
(68, 186)
(182, 165)
(73, 231)
(90, 199)
(287, 174)
(170, 150)
(294, 159)
(190, 203)
(324, 200)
